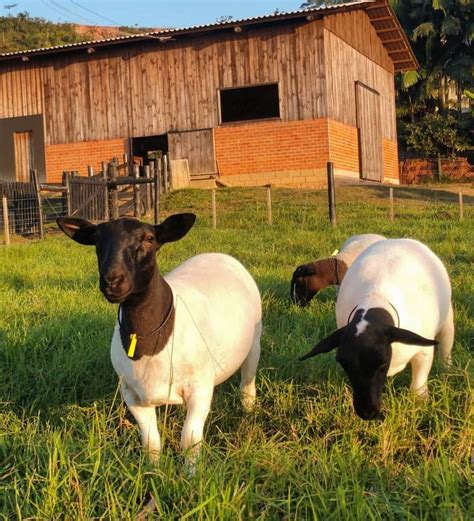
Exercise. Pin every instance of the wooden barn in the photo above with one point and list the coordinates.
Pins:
(270, 99)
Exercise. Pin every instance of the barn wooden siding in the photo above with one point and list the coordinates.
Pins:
(354, 53)
(154, 88)
(93, 103)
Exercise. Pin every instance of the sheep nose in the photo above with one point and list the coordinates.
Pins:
(113, 280)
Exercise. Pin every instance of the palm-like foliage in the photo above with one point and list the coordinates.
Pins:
(441, 34)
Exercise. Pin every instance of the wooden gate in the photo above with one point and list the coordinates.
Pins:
(89, 198)
(369, 127)
(24, 158)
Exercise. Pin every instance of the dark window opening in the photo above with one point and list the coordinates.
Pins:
(146, 149)
(247, 103)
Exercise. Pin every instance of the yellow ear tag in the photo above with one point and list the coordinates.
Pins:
(133, 345)
(335, 252)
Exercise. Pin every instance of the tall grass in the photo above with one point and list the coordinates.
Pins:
(66, 451)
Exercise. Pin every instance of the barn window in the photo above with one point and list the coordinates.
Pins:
(247, 103)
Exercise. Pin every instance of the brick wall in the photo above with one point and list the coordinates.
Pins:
(343, 147)
(390, 160)
(76, 156)
(421, 170)
(344, 151)
(283, 153)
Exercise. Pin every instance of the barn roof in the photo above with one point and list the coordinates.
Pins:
(380, 13)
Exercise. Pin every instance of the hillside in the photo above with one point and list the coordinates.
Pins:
(23, 32)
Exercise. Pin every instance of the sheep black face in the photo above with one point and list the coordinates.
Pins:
(365, 352)
(126, 250)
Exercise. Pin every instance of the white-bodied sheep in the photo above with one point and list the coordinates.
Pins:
(309, 278)
(393, 306)
(176, 336)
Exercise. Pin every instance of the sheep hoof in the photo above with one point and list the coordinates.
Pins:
(248, 402)
(421, 394)
(154, 455)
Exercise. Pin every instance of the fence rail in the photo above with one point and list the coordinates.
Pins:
(119, 190)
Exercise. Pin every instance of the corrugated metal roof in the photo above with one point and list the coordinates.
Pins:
(190, 29)
(369, 6)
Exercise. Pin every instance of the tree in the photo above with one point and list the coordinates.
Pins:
(441, 33)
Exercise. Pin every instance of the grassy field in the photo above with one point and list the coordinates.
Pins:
(66, 451)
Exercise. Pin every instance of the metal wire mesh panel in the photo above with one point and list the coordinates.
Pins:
(23, 207)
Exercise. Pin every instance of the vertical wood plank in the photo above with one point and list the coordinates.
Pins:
(6, 223)
(392, 214)
(214, 210)
(136, 191)
(269, 206)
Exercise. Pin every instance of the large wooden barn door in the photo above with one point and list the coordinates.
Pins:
(197, 146)
(369, 126)
(24, 157)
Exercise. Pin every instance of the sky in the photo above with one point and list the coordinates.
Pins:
(144, 13)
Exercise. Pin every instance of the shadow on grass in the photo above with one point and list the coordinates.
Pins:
(62, 281)
(57, 361)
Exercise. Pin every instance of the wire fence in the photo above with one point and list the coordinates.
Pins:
(248, 208)
(27, 211)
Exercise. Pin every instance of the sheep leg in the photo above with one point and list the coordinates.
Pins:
(198, 406)
(446, 339)
(145, 415)
(420, 368)
(249, 370)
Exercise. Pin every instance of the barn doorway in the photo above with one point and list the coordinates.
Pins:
(24, 155)
(22, 148)
(145, 149)
(369, 127)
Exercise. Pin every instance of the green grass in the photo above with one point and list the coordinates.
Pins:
(66, 453)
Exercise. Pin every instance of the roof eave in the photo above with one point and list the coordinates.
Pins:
(167, 34)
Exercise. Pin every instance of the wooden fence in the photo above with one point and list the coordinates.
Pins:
(118, 189)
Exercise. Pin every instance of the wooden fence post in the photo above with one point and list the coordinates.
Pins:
(461, 206)
(166, 185)
(105, 200)
(269, 206)
(6, 223)
(157, 187)
(90, 171)
(331, 194)
(214, 213)
(146, 171)
(136, 191)
(67, 186)
(113, 193)
(35, 181)
(390, 190)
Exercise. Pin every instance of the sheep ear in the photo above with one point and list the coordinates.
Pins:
(326, 345)
(79, 230)
(174, 227)
(397, 334)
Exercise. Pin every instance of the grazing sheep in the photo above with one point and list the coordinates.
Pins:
(308, 279)
(177, 336)
(394, 284)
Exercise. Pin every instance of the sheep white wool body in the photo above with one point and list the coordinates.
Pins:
(308, 279)
(178, 336)
(355, 245)
(410, 282)
(217, 329)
